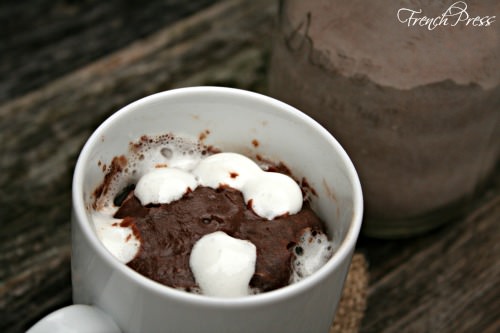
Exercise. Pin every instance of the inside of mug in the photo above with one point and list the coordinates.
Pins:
(240, 122)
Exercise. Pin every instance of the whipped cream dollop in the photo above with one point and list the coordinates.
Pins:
(223, 265)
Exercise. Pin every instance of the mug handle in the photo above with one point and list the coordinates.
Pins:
(77, 318)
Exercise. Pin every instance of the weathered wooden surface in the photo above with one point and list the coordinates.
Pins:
(41, 40)
(446, 281)
(42, 132)
(65, 66)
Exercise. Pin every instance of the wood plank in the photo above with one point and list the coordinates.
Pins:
(445, 281)
(50, 125)
(45, 39)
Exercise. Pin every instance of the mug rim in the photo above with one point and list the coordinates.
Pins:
(345, 248)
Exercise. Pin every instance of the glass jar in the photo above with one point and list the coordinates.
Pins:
(414, 101)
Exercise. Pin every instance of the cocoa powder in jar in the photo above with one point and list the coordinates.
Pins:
(417, 109)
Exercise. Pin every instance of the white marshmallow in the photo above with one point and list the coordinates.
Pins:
(120, 241)
(164, 185)
(230, 169)
(223, 265)
(273, 194)
(312, 252)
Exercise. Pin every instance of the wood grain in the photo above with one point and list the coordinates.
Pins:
(446, 281)
(63, 72)
(46, 39)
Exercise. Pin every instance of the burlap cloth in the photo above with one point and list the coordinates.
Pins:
(353, 302)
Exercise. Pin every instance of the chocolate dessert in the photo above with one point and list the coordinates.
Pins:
(168, 232)
(209, 222)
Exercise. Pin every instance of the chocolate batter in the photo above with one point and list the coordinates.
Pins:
(169, 231)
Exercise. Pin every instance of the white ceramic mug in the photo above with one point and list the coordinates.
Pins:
(122, 300)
